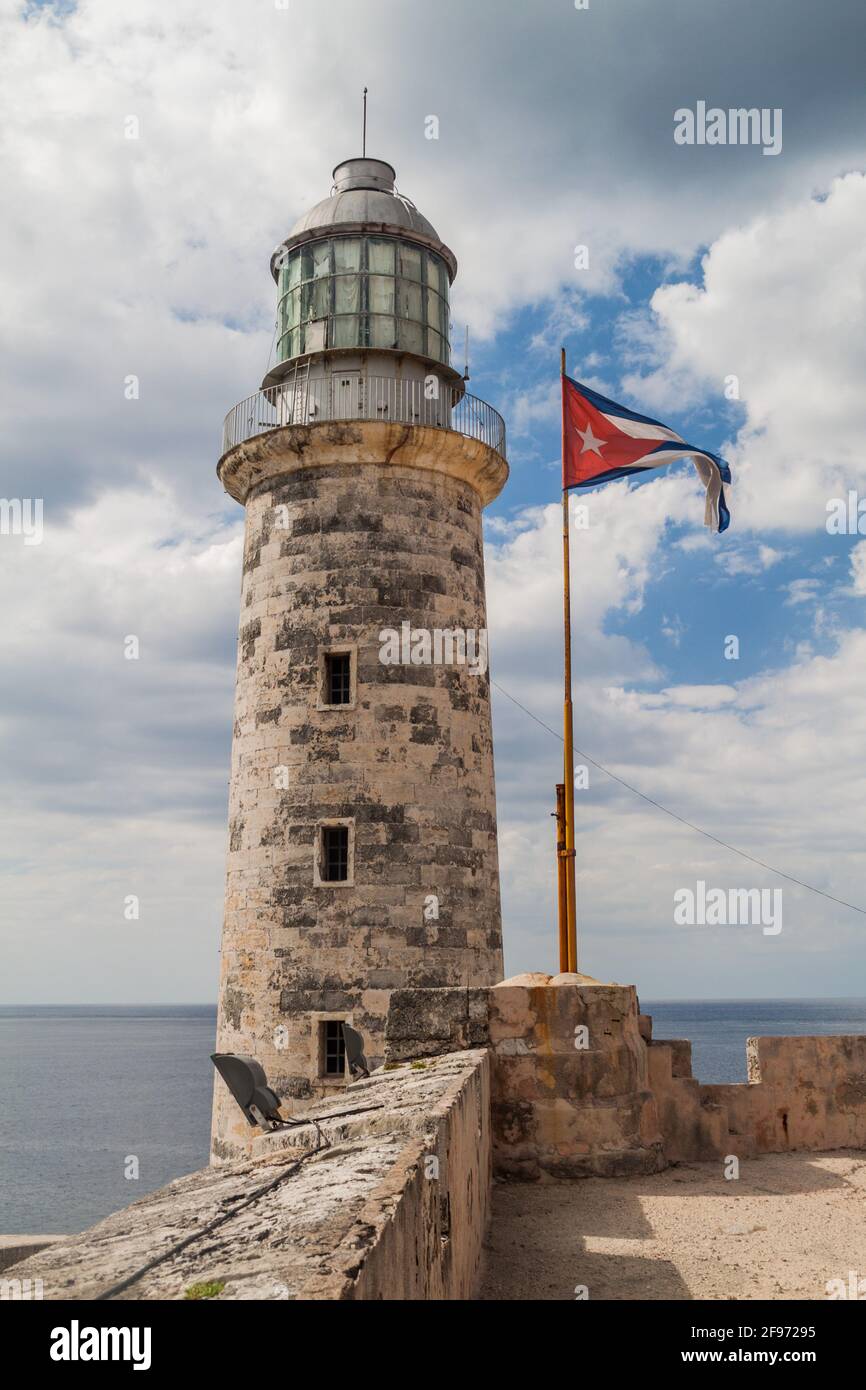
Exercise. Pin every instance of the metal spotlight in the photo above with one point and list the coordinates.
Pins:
(245, 1078)
(354, 1045)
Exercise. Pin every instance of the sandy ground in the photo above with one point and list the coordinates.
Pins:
(786, 1226)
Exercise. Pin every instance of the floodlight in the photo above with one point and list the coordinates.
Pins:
(245, 1078)
(354, 1045)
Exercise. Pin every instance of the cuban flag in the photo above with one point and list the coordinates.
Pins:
(602, 441)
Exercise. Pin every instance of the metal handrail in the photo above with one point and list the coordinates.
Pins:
(309, 402)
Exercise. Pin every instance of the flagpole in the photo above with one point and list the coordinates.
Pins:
(561, 891)
(568, 717)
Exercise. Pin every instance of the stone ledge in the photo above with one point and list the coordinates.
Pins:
(414, 1176)
(389, 443)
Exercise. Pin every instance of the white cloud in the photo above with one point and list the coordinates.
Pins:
(858, 568)
(117, 769)
(781, 308)
(758, 762)
(801, 591)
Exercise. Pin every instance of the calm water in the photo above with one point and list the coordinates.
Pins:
(718, 1029)
(81, 1089)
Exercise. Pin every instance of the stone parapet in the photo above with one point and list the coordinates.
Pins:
(394, 1208)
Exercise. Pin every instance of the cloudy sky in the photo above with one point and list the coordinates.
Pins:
(724, 293)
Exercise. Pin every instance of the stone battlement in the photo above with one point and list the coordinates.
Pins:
(579, 1087)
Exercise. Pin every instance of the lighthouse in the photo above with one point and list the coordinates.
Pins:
(362, 848)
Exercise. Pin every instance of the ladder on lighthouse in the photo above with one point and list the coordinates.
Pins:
(300, 391)
(291, 398)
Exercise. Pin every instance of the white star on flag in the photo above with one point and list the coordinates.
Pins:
(590, 443)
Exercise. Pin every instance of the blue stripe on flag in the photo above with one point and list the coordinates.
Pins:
(611, 408)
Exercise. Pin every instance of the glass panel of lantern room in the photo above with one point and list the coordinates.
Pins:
(347, 294)
(290, 272)
(409, 303)
(380, 256)
(410, 261)
(434, 278)
(315, 299)
(381, 294)
(446, 327)
(346, 331)
(347, 254)
(315, 335)
(382, 334)
(410, 336)
(321, 259)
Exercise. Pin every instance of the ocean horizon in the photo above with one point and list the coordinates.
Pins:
(91, 1095)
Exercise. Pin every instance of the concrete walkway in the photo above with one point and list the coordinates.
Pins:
(786, 1226)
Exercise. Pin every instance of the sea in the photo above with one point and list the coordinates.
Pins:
(100, 1105)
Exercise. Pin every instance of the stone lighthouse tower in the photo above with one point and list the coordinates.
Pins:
(362, 818)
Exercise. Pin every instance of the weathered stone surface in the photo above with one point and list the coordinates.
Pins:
(570, 1080)
(395, 1208)
(351, 530)
(571, 1092)
(806, 1093)
(16, 1248)
(531, 977)
(424, 1022)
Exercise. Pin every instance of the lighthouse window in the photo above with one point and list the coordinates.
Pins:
(410, 262)
(412, 336)
(335, 853)
(409, 300)
(346, 331)
(347, 254)
(381, 294)
(315, 300)
(436, 277)
(383, 333)
(338, 678)
(347, 294)
(333, 1048)
(380, 256)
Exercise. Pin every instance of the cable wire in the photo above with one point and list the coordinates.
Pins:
(217, 1222)
(682, 819)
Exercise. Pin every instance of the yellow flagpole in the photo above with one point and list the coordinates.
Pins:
(561, 892)
(568, 717)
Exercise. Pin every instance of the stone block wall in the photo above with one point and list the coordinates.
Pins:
(570, 1083)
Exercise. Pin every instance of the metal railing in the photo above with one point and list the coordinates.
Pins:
(309, 402)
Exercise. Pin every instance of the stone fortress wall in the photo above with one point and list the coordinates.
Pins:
(536, 1079)
(580, 1087)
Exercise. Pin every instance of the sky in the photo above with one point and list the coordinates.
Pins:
(151, 157)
